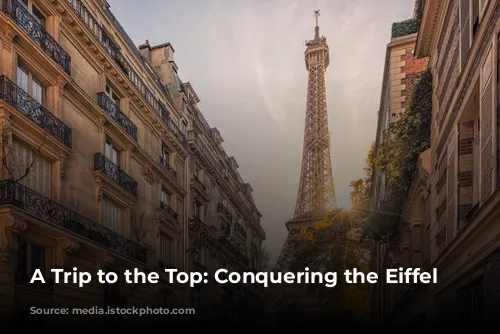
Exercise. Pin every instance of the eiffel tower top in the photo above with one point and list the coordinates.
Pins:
(318, 39)
(316, 29)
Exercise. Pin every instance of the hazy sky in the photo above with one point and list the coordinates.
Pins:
(245, 59)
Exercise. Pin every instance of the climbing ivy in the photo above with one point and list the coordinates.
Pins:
(397, 155)
(406, 27)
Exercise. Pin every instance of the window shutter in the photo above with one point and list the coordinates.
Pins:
(451, 209)
(113, 215)
(482, 7)
(486, 131)
(39, 177)
(464, 31)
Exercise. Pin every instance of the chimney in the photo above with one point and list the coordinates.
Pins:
(145, 50)
(162, 59)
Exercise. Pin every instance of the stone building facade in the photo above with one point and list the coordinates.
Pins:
(402, 71)
(458, 201)
(107, 163)
(461, 39)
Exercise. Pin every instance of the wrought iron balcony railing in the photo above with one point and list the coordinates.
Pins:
(167, 167)
(24, 198)
(227, 244)
(221, 209)
(168, 210)
(30, 108)
(109, 169)
(240, 230)
(117, 115)
(202, 148)
(198, 183)
(37, 33)
(114, 51)
(195, 224)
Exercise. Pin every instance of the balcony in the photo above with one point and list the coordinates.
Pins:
(167, 167)
(19, 196)
(167, 120)
(34, 111)
(168, 211)
(197, 225)
(203, 151)
(200, 188)
(224, 212)
(112, 171)
(240, 231)
(37, 33)
(117, 115)
(114, 51)
(233, 250)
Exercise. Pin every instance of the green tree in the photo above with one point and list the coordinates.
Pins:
(397, 155)
(333, 245)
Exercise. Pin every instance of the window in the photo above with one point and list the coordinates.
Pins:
(165, 196)
(475, 292)
(31, 169)
(27, 82)
(166, 248)
(28, 258)
(197, 171)
(115, 293)
(112, 215)
(34, 11)
(165, 154)
(111, 152)
(475, 17)
(180, 172)
(476, 165)
(197, 210)
(200, 255)
(498, 114)
(111, 94)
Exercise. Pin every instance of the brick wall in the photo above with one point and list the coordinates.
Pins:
(413, 69)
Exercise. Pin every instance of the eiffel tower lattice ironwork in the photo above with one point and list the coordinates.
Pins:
(316, 195)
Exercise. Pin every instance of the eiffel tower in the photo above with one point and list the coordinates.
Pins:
(316, 195)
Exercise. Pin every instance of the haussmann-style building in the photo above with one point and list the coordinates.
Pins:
(107, 163)
(455, 197)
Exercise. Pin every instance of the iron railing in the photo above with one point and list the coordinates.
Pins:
(15, 194)
(30, 108)
(114, 51)
(117, 115)
(198, 183)
(168, 210)
(232, 249)
(167, 167)
(37, 33)
(111, 170)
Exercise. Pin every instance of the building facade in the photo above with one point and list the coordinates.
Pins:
(461, 39)
(402, 70)
(455, 199)
(107, 163)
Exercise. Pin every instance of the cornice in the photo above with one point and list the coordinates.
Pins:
(429, 26)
